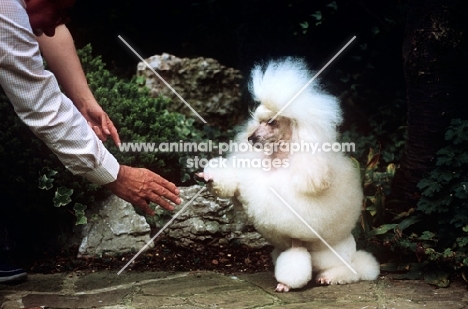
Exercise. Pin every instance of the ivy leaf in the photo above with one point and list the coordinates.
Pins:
(375, 30)
(81, 220)
(80, 214)
(45, 183)
(79, 207)
(333, 5)
(317, 15)
(46, 180)
(304, 25)
(62, 196)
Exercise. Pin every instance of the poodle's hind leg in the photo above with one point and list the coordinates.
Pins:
(293, 268)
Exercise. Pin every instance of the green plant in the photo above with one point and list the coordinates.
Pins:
(137, 116)
(429, 241)
(444, 202)
(27, 165)
(141, 118)
(62, 196)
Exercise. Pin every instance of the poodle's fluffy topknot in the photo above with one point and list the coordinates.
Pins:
(275, 84)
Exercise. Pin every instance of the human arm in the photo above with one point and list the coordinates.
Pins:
(52, 117)
(61, 57)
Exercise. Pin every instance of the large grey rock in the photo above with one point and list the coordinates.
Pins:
(212, 89)
(211, 221)
(113, 228)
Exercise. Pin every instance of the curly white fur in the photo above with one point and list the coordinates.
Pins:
(323, 187)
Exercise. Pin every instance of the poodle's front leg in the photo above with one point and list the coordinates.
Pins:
(293, 267)
(221, 177)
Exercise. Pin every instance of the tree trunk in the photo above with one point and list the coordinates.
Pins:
(435, 65)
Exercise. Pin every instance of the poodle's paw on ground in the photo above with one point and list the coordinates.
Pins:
(282, 288)
(337, 275)
(323, 281)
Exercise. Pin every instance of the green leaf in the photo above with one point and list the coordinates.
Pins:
(79, 207)
(382, 229)
(428, 187)
(317, 15)
(408, 222)
(46, 180)
(45, 183)
(427, 235)
(80, 214)
(461, 190)
(372, 159)
(81, 220)
(391, 168)
(375, 30)
(333, 5)
(62, 196)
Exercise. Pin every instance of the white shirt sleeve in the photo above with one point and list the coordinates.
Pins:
(38, 101)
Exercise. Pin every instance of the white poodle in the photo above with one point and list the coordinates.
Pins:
(323, 187)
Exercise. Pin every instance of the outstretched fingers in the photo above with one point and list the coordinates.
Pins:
(140, 186)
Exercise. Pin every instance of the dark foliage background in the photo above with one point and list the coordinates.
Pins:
(367, 77)
(241, 33)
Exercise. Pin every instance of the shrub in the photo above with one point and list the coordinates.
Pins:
(429, 241)
(27, 164)
(138, 117)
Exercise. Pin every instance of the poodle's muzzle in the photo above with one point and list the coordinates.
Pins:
(253, 139)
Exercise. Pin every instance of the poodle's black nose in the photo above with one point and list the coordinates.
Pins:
(252, 139)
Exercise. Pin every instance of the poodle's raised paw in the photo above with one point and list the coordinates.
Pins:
(203, 177)
(282, 288)
(222, 182)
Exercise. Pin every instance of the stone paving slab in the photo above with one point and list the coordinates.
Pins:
(133, 290)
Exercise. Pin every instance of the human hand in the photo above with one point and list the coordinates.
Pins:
(99, 121)
(140, 186)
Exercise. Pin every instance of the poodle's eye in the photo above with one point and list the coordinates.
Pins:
(271, 122)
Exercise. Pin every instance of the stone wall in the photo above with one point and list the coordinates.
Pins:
(212, 221)
(114, 227)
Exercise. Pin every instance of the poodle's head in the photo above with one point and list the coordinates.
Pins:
(299, 108)
(267, 130)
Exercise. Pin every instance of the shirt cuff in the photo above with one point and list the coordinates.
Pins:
(106, 173)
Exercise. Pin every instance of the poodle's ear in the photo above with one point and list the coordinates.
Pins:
(312, 174)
